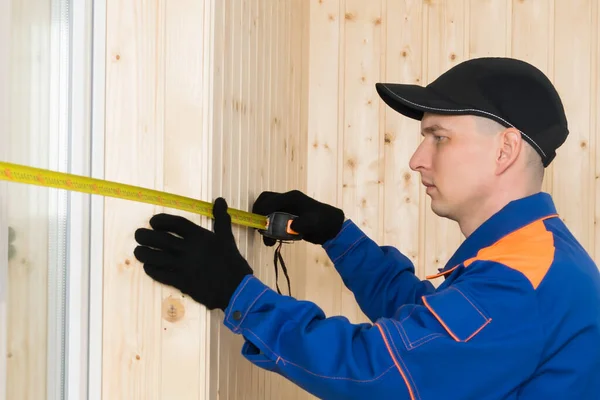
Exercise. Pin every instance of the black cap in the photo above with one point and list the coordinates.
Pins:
(509, 91)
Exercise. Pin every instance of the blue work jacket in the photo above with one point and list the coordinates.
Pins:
(517, 316)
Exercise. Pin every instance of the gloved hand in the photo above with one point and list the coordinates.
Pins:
(204, 265)
(317, 222)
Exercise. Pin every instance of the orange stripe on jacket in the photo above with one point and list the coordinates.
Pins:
(410, 391)
(529, 250)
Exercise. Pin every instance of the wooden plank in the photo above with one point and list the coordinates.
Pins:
(268, 165)
(402, 187)
(253, 143)
(595, 131)
(216, 326)
(263, 166)
(184, 170)
(253, 241)
(574, 83)
(489, 27)
(134, 131)
(274, 128)
(532, 41)
(208, 361)
(362, 171)
(225, 169)
(286, 389)
(302, 69)
(445, 41)
(243, 383)
(235, 160)
(323, 285)
(291, 127)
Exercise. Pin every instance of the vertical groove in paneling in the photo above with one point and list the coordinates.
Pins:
(206, 371)
(573, 80)
(263, 151)
(223, 172)
(243, 382)
(254, 141)
(274, 137)
(235, 166)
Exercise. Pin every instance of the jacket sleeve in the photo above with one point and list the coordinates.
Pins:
(447, 346)
(381, 278)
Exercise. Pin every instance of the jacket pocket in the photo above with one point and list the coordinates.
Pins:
(460, 317)
(446, 313)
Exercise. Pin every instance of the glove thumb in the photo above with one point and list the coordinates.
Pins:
(222, 220)
(305, 223)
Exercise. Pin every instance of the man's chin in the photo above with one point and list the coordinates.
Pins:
(439, 209)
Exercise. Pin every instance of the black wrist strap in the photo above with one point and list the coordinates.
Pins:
(277, 256)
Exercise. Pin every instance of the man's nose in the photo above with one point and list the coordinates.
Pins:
(421, 158)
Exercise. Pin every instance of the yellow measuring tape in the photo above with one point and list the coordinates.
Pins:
(60, 180)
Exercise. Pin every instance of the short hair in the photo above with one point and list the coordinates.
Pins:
(533, 160)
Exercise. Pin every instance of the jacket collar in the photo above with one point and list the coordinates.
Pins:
(515, 215)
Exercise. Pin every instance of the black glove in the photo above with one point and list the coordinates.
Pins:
(204, 265)
(317, 222)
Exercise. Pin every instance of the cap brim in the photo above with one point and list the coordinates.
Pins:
(413, 100)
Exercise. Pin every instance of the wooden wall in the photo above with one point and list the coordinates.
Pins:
(210, 98)
(204, 99)
(260, 87)
(367, 146)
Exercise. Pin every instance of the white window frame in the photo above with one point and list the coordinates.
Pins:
(81, 281)
(85, 243)
(96, 276)
(82, 329)
(5, 13)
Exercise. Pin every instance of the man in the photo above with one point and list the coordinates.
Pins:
(518, 314)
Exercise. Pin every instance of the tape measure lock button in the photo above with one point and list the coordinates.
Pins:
(279, 227)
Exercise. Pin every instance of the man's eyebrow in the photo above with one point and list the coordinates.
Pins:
(433, 129)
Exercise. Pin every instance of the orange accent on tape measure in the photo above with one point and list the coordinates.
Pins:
(289, 228)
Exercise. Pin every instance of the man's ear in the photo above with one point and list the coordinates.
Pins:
(510, 146)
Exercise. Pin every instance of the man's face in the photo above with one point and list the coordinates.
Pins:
(456, 163)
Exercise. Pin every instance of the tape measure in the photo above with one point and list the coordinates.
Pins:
(276, 225)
